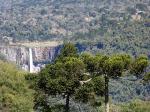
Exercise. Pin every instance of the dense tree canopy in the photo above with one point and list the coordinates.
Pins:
(63, 76)
(100, 25)
(139, 65)
(86, 76)
(147, 77)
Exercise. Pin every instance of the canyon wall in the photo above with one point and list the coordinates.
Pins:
(16, 54)
(21, 55)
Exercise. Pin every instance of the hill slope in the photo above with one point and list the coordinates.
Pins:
(118, 25)
(15, 95)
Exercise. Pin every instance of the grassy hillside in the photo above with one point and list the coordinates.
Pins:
(15, 95)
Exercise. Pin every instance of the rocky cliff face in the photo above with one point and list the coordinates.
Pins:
(21, 56)
(16, 54)
(41, 54)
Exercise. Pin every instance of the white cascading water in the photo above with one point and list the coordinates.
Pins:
(31, 66)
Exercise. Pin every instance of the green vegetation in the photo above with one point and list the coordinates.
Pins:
(114, 67)
(86, 77)
(74, 83)
(125, 37)
(147, 77)
(15, 95)
(139, 65)
(106, 26)
(64, 77)
(136, 106)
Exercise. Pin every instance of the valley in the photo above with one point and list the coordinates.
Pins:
(74, 55)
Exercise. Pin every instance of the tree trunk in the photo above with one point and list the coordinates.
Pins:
(67, 103)
(106, 93)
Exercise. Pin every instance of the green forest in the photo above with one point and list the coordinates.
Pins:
(102, 65)
(72, 83)
(106, 26)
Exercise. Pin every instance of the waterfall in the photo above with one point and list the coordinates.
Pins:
(31, 66)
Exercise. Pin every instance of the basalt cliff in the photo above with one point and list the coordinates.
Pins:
(30, 56)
